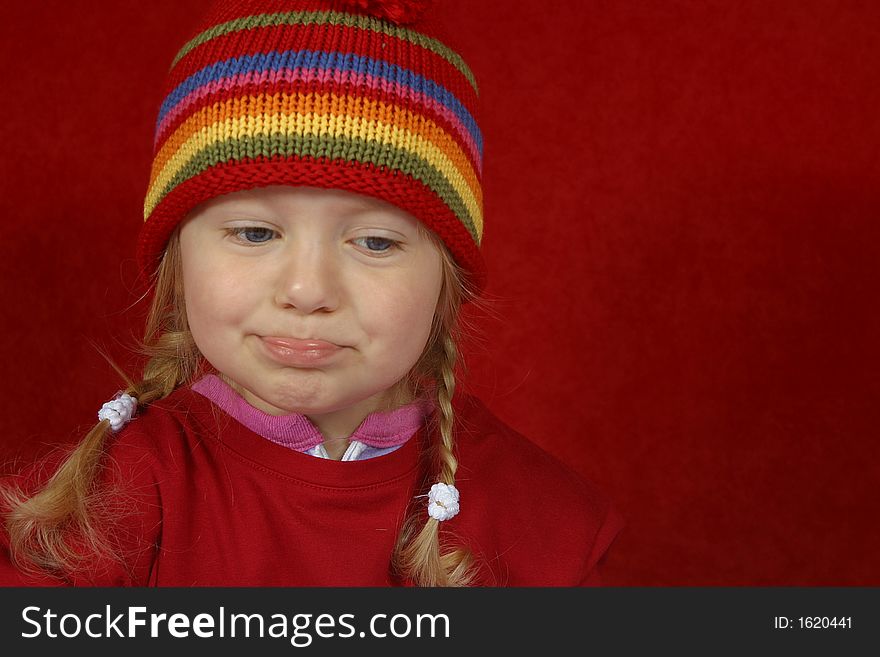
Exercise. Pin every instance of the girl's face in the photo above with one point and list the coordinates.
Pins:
(307, 300)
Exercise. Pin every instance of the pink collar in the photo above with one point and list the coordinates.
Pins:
(380, 429)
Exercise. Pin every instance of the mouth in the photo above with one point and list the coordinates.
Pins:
(296, 352)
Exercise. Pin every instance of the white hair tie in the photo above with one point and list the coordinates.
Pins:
(119, 411)
(443, 501)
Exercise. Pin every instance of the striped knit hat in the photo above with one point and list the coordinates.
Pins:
(359, 95)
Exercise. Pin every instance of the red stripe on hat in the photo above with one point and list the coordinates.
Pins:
(330, 38)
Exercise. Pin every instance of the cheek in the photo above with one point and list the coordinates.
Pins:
(400, 317)
(213, 301)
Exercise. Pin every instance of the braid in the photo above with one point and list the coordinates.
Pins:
(445, 392)
(60, 530)
(418, 555)
(63, 528)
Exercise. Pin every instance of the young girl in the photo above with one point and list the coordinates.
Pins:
(313, 223)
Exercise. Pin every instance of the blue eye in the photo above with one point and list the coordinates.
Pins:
(252, 234)
(376, 244)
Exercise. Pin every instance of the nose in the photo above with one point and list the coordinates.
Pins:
(309, 278)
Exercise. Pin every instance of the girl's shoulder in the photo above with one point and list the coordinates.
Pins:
(158, 442)
(168, 422)
(133, 445)
(484, 436)
(530, 499)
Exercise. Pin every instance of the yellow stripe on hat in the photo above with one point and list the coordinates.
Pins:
(339, 117)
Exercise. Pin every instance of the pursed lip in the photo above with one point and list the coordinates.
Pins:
(295, 352)
(301, 344)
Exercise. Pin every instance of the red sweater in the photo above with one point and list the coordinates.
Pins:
(211, 503)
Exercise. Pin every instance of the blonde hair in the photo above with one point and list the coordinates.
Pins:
(66, 528)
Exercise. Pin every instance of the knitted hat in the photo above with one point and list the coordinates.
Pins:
(358, 95)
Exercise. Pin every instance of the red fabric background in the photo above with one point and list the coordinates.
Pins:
(682, 200)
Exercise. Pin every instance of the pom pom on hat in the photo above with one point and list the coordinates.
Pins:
(399, 12)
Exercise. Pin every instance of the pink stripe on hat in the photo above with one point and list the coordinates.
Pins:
(362, 80)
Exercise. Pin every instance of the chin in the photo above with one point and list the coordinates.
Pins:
(300, 397)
